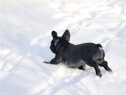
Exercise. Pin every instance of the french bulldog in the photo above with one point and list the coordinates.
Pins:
(77, 56)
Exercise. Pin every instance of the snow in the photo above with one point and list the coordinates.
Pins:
(25, 36)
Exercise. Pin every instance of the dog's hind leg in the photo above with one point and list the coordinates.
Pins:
(97, 70)
(82, 68)
(105, 65)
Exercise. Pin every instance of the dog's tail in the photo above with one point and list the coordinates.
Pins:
(99, 45)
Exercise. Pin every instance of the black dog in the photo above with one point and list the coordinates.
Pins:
(77, 56)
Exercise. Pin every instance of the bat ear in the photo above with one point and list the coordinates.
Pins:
(54, 34)
(66, 35)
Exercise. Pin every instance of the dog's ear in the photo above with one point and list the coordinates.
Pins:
(66, 35)
(54, 34)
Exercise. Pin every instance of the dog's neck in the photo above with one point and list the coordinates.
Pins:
(63, 45)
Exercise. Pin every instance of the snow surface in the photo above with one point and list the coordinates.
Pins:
(25, 35)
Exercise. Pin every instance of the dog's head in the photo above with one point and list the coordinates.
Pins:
(59, 40)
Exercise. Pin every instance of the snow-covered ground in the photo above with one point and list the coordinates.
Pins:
(25, 35)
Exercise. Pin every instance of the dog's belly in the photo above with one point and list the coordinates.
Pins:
(74, 64)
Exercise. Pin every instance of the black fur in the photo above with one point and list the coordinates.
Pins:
(77, 56)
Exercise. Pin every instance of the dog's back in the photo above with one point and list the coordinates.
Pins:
(73, 55)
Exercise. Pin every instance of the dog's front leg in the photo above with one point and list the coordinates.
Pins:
(56, 60)
(97, 70)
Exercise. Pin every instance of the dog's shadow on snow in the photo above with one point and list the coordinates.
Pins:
(73, 81)
(65, 84)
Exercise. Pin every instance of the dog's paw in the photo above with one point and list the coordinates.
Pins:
(110, 72)
(99, 74)
(46, 62)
